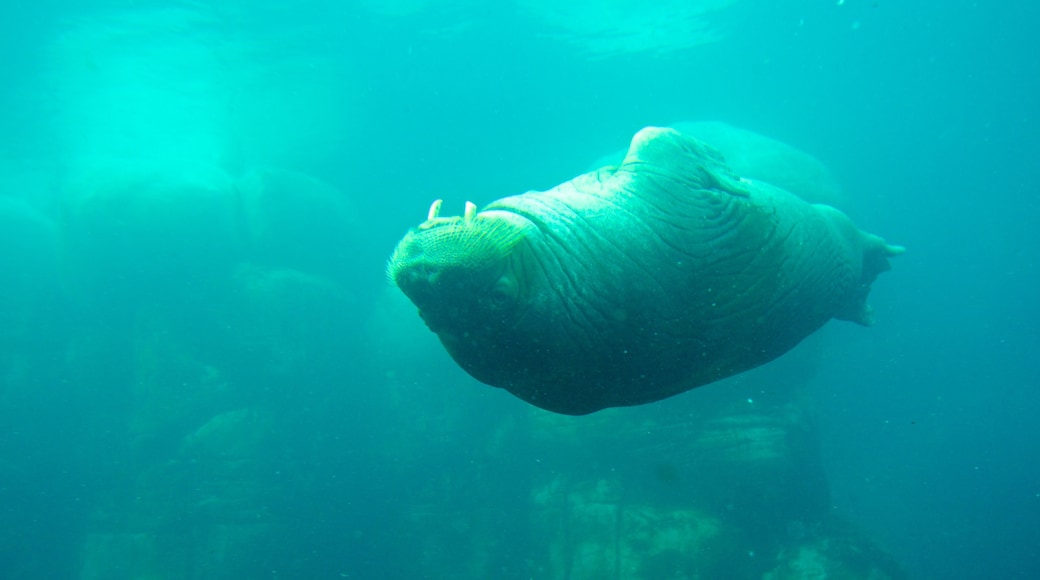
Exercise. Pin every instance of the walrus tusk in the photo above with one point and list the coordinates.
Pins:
(471, 210)
(435, 209)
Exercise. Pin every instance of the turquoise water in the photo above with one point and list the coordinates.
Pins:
(205, 374)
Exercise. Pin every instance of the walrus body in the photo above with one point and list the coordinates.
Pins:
(634, 283)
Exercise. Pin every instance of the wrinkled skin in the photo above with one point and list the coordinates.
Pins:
(632, 284)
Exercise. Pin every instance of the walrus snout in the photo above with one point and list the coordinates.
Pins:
(438, 300)
(419, 285)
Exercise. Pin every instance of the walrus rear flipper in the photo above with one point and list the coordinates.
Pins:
(875, 261)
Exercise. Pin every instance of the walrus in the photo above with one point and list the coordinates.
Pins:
(636, 282)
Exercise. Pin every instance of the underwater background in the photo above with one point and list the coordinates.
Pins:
(204, 372)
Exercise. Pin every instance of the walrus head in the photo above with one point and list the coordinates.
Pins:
(467, 276)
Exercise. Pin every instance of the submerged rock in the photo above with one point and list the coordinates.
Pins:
(136, 231)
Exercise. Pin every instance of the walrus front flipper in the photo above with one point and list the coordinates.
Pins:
(658, 154)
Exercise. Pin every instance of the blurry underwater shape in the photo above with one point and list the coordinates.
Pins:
(281, 325)
(607, 28)
(135, 229)
(190, 82)
(294, 220)
(592, 530)
(761, 157)
(749, 464)
(29, 271)
(832, 549)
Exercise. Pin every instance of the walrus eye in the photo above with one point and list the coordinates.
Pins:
(503, 293)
